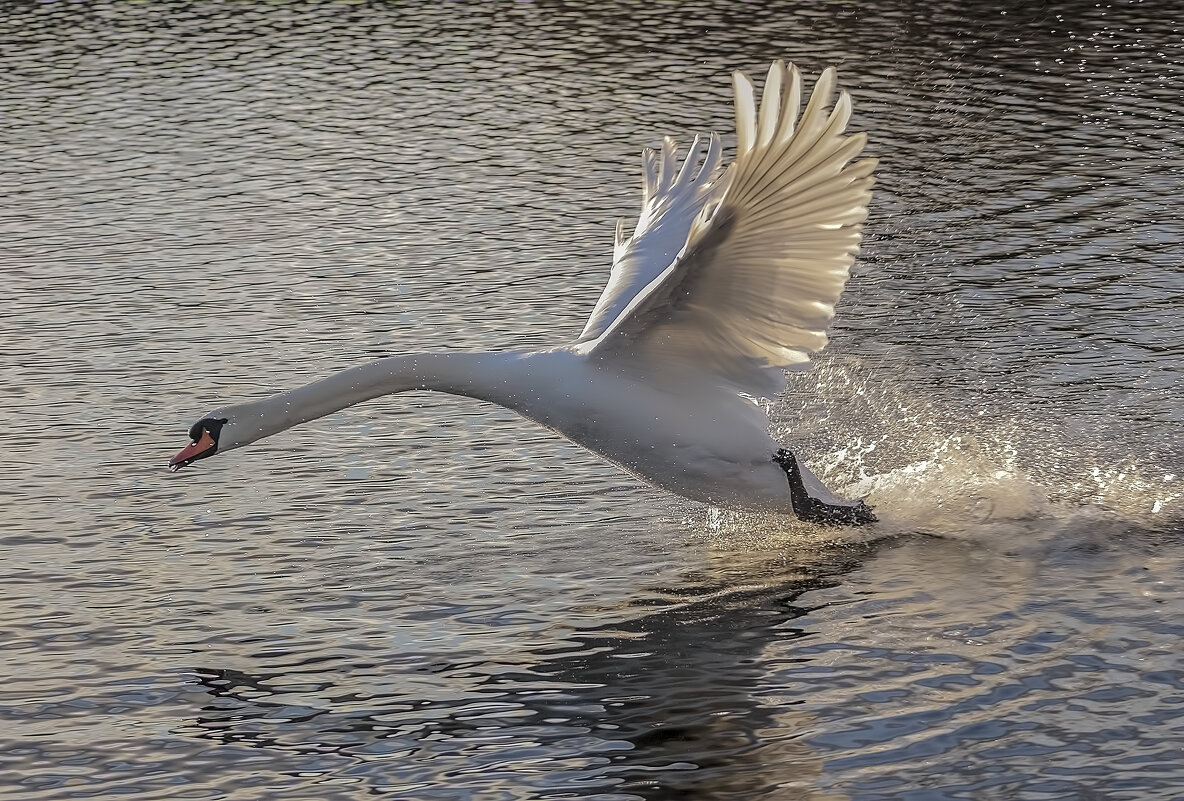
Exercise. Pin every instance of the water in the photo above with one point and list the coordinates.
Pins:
(427, 598)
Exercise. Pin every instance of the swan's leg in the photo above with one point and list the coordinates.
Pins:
(812, 501)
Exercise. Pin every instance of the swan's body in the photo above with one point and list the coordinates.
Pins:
(729, 279)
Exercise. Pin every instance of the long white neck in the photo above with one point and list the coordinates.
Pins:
(476, 375)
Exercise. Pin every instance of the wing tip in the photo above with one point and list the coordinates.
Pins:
(745, 105)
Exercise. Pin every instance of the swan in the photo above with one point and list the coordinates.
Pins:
(729, 279)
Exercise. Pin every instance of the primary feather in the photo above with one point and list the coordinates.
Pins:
(672, 196)
(767, 250)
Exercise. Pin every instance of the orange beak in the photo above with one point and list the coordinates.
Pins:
(203, 446)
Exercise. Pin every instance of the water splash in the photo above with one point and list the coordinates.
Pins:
(948, 462)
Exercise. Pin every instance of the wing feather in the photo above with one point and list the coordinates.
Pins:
(745, 104)
(672, 198)
(754, 287)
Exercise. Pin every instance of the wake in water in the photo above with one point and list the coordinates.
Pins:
(929, 463)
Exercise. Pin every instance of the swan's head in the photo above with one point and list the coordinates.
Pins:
(204, 435)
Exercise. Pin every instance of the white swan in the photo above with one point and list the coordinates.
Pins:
(729, 279)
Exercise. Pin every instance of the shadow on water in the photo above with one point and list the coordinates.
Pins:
(664, 700)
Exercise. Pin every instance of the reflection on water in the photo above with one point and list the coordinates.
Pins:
(672, 685)
(427, 598)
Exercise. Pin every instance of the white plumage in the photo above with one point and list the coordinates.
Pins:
(729, 278)
(767, 248)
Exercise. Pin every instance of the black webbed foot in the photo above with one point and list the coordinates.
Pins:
(827, 515)
(829, 512)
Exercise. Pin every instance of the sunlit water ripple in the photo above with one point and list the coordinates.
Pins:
(427, 598)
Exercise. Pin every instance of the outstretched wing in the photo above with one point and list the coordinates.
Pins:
(672, 198)
(756, 284)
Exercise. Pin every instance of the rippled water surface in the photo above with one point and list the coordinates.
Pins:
(428, 598)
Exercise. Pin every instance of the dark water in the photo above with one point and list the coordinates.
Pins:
(426, 598)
